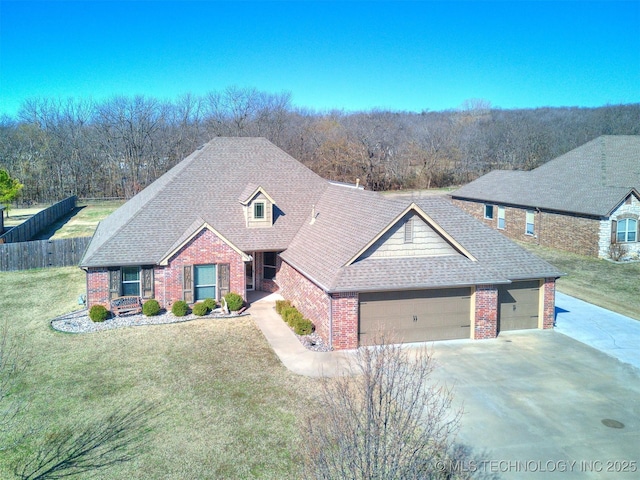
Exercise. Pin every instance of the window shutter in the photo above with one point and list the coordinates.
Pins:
(146, 282)
(223, 279)
(614, 231)
(187, 284)
(115, 283)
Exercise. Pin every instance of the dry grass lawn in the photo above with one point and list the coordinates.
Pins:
(614, 286)
(228, 408)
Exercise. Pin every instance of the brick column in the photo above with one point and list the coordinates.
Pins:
(549, 309)
(486, 320)
(344, 310)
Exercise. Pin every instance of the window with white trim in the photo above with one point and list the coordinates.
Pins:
(530, 222)
(488, 212)
(204, 282)
(627, 230)
(501, 218)
(258, 210)
(131, 281)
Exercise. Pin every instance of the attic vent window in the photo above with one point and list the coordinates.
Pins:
(408, 231)
(258, 210)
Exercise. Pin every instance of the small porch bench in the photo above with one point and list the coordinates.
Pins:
(129, 304)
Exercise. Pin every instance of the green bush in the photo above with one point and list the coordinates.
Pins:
(234, 301)
(200, 309)
(210, 303)
(281, 305)
(151, 308)
(98, 313)
(303, 327)
(180, 308)
(291, 315)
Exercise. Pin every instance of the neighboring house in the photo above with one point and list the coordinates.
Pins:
(239, 214)
(582, 201)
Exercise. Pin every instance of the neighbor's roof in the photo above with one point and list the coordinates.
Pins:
(207, 187)
(339, 233)
(591, 180)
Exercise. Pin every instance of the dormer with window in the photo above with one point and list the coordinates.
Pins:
(258, 207)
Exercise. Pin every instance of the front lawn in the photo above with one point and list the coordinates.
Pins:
(615, 286)
(226, 406)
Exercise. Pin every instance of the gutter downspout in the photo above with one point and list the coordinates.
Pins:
(330, 321)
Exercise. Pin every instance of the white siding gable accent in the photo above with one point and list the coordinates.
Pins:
(267, 211)
(426, 241)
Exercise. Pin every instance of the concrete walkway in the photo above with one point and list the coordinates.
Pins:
(286, 345)
(604, 330)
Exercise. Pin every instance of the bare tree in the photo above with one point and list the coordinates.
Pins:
(388, 420)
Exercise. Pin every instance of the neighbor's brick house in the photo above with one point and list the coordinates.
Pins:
(239, 214)
(581, 202)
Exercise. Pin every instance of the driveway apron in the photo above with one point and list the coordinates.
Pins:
(609, 332)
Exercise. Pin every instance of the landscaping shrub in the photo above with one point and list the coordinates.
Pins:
(210, 304)
(303, 327)
(200, 309)
(98, 313)
(151, 308)
(281, 305)
(234, 301)
(180, 308)
(295, 319)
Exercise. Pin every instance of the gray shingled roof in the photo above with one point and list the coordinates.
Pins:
(341, 232)
(207, 185)
(590, 180)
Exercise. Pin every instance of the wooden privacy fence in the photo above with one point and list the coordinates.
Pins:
(28, 229)
(42, 253)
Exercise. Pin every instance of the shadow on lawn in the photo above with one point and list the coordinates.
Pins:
(88, 446)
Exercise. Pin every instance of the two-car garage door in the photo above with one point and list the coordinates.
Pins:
(443, 314)
(417, 315)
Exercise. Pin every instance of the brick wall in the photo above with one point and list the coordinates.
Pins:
(306, 296)
(549, 303)
(345, 311)
(565, 232)
(204, 248)
(97, 287)
(486, 314)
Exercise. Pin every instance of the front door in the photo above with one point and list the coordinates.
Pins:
(248, 275)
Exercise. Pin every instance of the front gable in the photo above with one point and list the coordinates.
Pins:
(412, 234)
(258, 207)
(194, 231)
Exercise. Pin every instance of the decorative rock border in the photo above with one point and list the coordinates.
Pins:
(79, 321)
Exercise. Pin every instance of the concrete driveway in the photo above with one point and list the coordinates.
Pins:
(607, 331)
(537, 401)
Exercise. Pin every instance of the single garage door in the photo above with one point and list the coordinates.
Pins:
(519, 303)
(416, 316)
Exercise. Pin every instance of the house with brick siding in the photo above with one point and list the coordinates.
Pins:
(241, 215)
(583, 202)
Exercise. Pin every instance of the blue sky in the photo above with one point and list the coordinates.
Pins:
(429, 55)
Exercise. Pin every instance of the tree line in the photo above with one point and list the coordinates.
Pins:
(118, 146)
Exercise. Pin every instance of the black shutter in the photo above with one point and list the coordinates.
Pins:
(224, 279)
(187, 284)
(115, 283)
(146, 282)
(614, 231)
